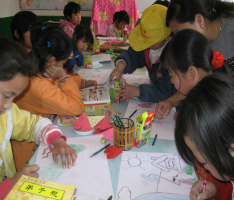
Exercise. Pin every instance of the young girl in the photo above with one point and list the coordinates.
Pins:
(204, 131)
(20, 125)
(72, 12)
(82, 38)
(188, 58)
(213, 18)
(145, 50)
(120, 20)
(20, 27)
(42, 97)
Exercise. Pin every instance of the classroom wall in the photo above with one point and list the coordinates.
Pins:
(10, 7)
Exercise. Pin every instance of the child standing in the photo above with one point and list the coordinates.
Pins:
(120, 20)
(20, 125)
(72, 12)
(42, 97)
(20, 28)
(82, 38)
(188, 58)
(204, 131)
(147, 41)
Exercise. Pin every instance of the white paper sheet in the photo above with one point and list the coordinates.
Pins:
(100, 75)
(101, 57)
(154, 176)
(164, 128)
(90, 176)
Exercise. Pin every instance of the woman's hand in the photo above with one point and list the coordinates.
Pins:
(65, 151)
(196, 191)
(28, 171)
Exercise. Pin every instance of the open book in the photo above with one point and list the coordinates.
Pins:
(93, 96)
(34, 188)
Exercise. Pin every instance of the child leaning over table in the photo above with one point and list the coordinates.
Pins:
(51, 49)
(147, 41)
(82, 38)
(17, 124)
(72, 12)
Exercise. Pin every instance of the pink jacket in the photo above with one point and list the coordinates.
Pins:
(112, 31)
(68, 27)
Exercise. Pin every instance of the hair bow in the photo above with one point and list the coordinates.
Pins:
(217, 60)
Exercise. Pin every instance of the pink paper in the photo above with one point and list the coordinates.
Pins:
(82, 123)
(114, 40)
(103, 124)
(108, 134)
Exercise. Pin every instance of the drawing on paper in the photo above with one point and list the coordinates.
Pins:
(154, 176)
(92, 180)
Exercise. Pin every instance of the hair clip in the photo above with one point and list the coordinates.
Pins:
(48, 44)
(43, 28)
(217, 60)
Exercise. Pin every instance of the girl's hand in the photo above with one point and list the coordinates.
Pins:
(196, 191)
(54, 72)
(65, 151)
(75, 67)
(128, 91)
(117, 72)
(90, 83)
(28, 171)
(163, 108)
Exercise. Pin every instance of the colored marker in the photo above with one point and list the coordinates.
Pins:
(204, 186)
(133, 113)
(155, 137)
(97, 152)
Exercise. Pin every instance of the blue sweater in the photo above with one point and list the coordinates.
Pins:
(161, 88)
(78, 59)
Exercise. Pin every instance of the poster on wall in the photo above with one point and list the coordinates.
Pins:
(52, 4)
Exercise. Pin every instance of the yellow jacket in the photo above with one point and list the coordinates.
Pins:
(20, 125)
(42, 97)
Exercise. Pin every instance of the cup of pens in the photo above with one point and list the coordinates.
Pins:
(123, 133)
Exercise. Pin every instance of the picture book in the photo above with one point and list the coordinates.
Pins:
(92, 96)
(100, 75)
(35, 188)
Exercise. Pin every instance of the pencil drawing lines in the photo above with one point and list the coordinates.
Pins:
(134, 162)
(49, 149)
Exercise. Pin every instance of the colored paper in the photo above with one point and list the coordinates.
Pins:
(103, 124)
(146, 175)
(93, 120)
(82, 123)
(108, 134)
(90, 176)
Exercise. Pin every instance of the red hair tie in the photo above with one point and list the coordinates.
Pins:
(217, 60)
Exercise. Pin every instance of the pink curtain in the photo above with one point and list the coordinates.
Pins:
(103, 12)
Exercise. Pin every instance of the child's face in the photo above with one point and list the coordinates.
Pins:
(10, 89)
(27, 40)
(181, 82)
(158, 45)
(82, 45)
(203, 160)
(120, 25)
(75, 19)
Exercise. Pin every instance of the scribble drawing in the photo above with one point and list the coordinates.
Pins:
(78, 147)
(150, 176)
(48, 150)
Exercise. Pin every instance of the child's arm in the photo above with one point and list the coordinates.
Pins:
(109, 31)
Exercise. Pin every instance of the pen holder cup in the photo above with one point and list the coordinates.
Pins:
(124, 137)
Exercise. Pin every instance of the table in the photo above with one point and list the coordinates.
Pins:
(107, 46)
(165, 146)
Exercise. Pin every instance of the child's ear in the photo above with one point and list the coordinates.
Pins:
(192, 73)
(50, 60)
(16, 34)
(231, 149)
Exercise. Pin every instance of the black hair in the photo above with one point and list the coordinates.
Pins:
(50, 41)
(22, 22)
(13, 61)
(81, 32)
(189, 48)
(206, 117)
(121, 16)
(70, 8)
(161, 2)
(185, 10)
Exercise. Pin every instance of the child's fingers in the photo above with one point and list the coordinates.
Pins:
(63, 158)
(69, 160)
(55, 158)
(74, 157)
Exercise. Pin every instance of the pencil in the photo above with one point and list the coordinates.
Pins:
(97, 152)
(110, 198)
(155, 137)
(133, 113)
(204, 186)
